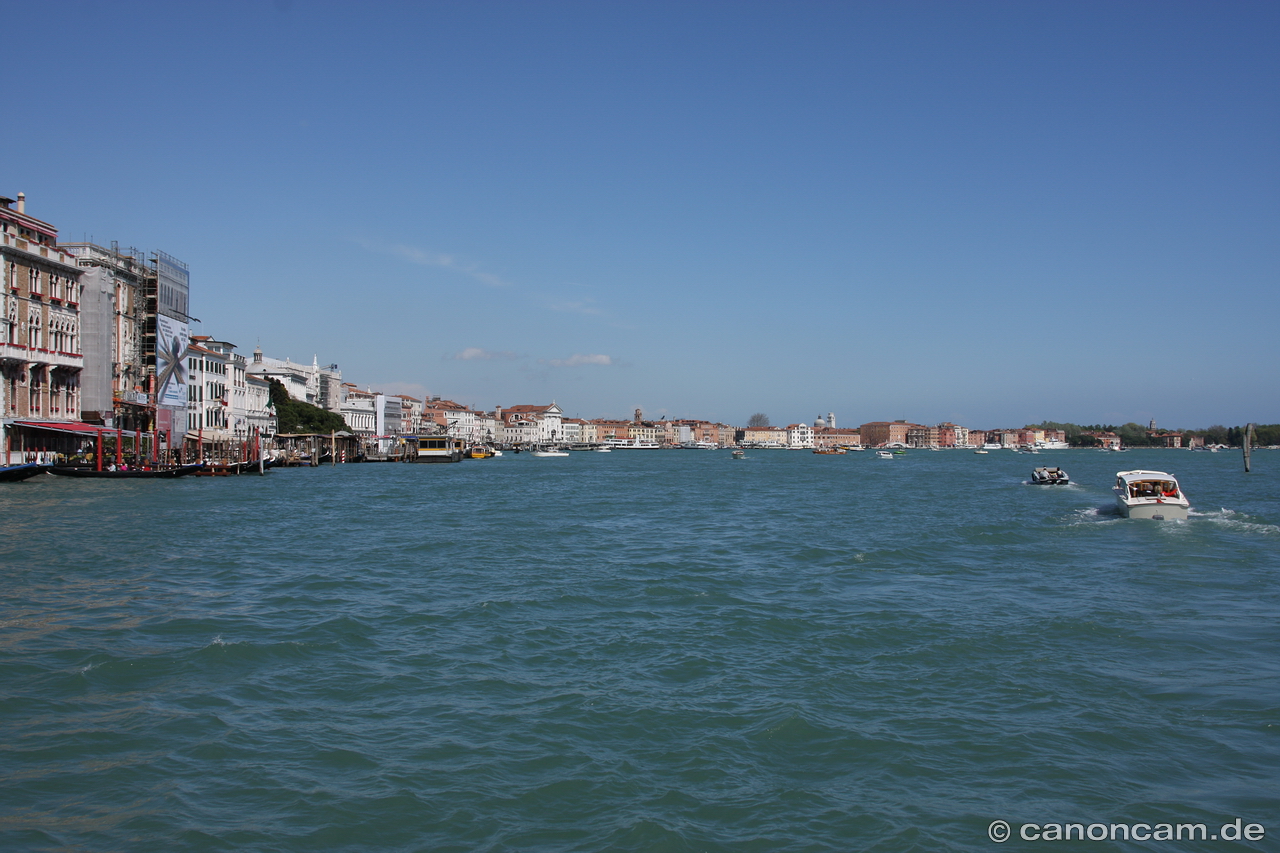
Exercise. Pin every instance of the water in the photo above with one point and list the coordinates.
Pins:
(644, 650)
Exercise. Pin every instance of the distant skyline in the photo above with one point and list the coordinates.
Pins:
(990, 213)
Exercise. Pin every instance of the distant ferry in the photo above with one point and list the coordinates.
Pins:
(433, 448)
(630, 444)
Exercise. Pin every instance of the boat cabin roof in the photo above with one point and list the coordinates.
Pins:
(1130, 476)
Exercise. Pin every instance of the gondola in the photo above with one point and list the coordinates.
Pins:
(225, 469)
(15, 473)
(132, 474)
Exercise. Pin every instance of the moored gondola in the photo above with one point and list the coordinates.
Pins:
(130, 474)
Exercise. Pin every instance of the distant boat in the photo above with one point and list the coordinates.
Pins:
(739, 454)
(549, 451)
(16, 473)
(983, 452)
(883, 454)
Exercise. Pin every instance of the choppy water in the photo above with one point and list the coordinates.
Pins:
(644, 650)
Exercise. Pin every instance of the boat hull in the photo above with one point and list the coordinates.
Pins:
(17, 473)
(1169, 510)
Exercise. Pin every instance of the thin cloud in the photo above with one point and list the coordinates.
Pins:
(578, 360)
(448, 262)
(584, 307)
(478, 354)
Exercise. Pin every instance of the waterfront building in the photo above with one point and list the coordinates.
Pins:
(647, 432)
(535, 424)
(681, 432)
(359, 410)
(952, 435)
(135, 329)
(410, 414)
(329, 388)
(765, 436)
(881, 433)
(800, 436)
(1108, 440)
(300, 381)
(669, 432)
(571, 430)
(390, 415)
(608, 429)
(116, 383)
(40, 357)
(236, 385)
(711, 433)
(1003, 437)
(827, 438)
(449, 417)
(208, 395)
(516, 428)
(924, 436)
(487, 427)
(258, 410)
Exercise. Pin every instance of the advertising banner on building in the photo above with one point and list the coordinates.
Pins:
(172, 337)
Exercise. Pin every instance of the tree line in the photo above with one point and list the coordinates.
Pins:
(1136, 435)
(295, 416)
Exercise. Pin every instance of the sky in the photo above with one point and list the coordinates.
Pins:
(992, 213)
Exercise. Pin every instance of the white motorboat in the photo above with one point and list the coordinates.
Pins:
(550, 451)
(1150, 494)
(883, 454)
(739, 454)
(1046, 476)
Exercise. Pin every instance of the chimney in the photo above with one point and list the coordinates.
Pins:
(22, 202)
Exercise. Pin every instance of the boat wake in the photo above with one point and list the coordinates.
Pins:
(1230, 519)
(1109, 512)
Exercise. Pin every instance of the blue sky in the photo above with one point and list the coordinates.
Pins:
(991, 213)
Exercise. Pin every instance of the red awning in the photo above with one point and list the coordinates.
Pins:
(69, 427)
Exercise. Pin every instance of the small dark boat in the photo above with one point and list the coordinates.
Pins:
(14, 473)
(1046, 476)
(131, 474)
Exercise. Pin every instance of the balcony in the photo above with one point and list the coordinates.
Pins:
(17, 352)
(51, 254)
